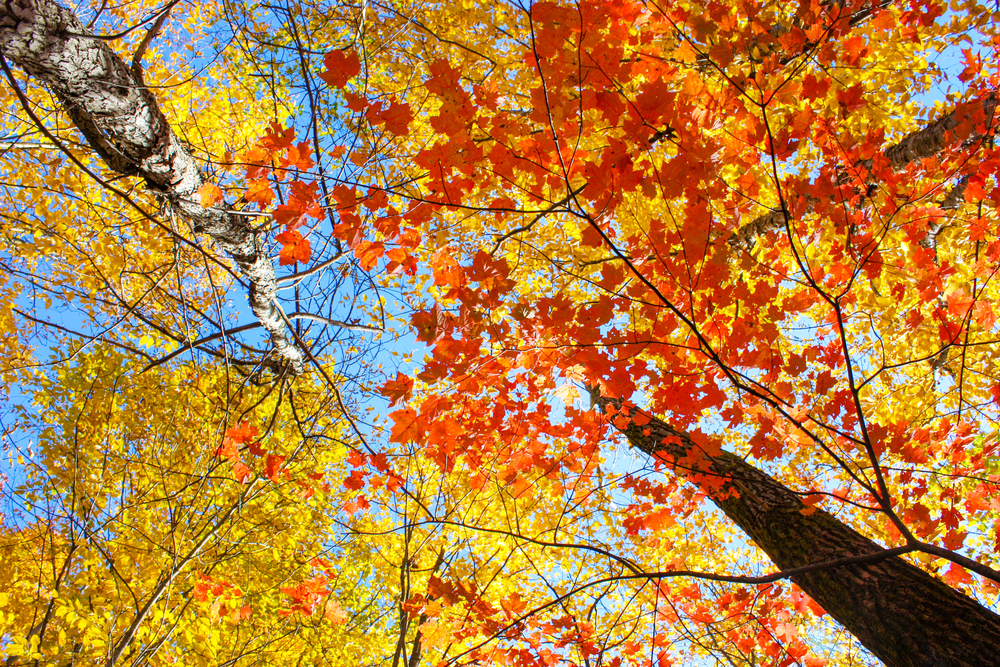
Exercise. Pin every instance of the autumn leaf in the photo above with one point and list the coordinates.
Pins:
(228, 450)
(341, 67)
(957, 575)
(210, 194)
(334, 613)
(243, 433)
(259, 192)
(272, 466)
(397, 118)
(407, 425)
(398, 390)
(294, 248)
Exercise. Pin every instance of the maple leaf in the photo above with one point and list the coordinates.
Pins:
(257, 162)
(242, 614)
(341, 67)
(259, 192)
(397, 118)
(851, 99)
(228, 450)
(242, 433)
(957, 575)
(407, 425)
(209, 194)
(356, 505)
(278, 138)
(294, 248)
(272, 466)
(398, 390)
(368, 253)
(334, 613)
(447, 270)
(299, 156)
(256, 448)
(241, 472)
(355, 481)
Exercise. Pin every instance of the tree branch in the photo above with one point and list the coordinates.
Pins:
(122, 122)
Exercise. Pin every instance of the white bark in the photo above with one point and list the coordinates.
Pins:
(121, 120)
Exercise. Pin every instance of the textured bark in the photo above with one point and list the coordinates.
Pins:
(903, 615)
(121, 120)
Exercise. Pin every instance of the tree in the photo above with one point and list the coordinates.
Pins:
(171, 502)
(619, 150)
(745, 227)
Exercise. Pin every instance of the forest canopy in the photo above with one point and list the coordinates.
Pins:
(595, 333)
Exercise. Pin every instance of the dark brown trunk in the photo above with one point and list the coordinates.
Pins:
(903, 615)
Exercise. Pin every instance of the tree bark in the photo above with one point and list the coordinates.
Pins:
(903, 615)
(112, 108)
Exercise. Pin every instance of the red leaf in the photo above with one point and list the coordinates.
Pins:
(397, 118)
(359, 503)
(368, 253)
(355, 481)
(243, 433)
(850, 99)
(341, 67)
(299, 156)
(228, 450)
(447, 271)
(256, 448)
(259, 192)
(241, 473)
(957, 575)
(277, 139)
(209, 194)
(407, 425)
(813, 86)
(294, 248)
(398, 390)
(273, 466)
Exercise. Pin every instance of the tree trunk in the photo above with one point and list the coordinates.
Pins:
(903, 615)
(110, 105)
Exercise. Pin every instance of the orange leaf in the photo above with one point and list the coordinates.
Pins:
(273, 466)
(209, 194)
(341, 67)
(355, 481)
(397, 390)
(241, 473)
(407, 425)
(335, 613)
(278, 138)
(259, 192)
(243, 433)
(228, 450)
(294, 248)
(956, 575)
(397, 118)
(299, 156)
(359, 503)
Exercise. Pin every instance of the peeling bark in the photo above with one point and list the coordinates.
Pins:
(903, 615)
(122, 122)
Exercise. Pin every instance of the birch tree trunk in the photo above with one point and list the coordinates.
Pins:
(903, 615)
(108, 102)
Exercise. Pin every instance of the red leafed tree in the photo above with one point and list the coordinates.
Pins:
(750, 231)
